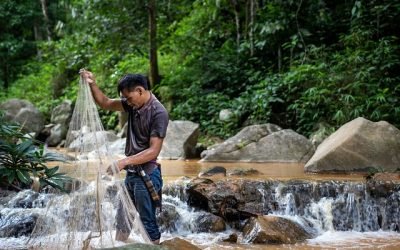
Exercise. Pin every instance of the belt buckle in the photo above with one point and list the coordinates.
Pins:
(131, 169)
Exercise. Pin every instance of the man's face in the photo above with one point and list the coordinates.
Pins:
(133, 97)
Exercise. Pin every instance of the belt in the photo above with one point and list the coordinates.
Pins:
(132, 168)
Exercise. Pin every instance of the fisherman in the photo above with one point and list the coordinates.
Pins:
(147, 126)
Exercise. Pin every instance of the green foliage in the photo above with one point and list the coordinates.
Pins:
(296, 64)
(20, 159)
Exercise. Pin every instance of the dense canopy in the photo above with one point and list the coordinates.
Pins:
(298, 64)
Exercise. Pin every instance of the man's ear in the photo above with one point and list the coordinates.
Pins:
(140, 89)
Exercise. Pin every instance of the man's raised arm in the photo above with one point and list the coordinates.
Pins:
(101, 99)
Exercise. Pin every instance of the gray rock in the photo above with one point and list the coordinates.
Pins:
(180, 141)
(359, 145)
(57, 134)
(24, 113)
(62, 113)
(225, 115)
(262, 143)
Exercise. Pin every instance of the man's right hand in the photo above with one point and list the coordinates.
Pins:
(87, 76)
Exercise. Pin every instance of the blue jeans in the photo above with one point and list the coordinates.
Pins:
(144, 204)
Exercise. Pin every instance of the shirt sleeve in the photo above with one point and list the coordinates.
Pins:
(125, 105)
(159, 124)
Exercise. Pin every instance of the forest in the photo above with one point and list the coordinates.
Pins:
(303, 65)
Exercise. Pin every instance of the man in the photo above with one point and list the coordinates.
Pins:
(147, 126)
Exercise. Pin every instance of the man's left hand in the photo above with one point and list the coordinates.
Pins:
(113, 168)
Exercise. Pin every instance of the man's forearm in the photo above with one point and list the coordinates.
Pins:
(139, 158)
(100, 98)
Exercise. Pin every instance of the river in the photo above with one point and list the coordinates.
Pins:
(173, 170)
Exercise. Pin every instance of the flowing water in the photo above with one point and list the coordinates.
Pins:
(359, 227)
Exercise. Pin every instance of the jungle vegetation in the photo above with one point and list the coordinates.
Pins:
(298, 64)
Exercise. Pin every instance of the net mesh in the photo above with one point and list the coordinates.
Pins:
(86, 217)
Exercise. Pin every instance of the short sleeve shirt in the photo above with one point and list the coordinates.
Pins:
(148, 121)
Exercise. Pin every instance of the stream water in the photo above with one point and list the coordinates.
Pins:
(365, 232)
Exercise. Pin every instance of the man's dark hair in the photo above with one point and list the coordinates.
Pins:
(130, 81)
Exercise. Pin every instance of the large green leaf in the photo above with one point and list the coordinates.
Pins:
(11, 177)
(23, 176)
(55, 183)
(51, 171)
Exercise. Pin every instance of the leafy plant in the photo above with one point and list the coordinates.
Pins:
(20, 160)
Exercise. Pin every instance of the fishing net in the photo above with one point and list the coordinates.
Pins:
(86, 217)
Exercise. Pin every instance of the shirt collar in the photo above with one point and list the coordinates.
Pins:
(147, 105)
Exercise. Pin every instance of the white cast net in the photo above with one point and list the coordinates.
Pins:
(86, 217)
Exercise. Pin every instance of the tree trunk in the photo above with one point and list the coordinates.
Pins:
(154, 75)
(46, 19)
(237, 21)
(251, 27)
(279, 59)
(5, 75)
(38, 37)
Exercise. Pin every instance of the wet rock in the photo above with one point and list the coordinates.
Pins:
(214, 171)
(16, 223)
(359, 145)
(207, 222)
(244, 172)
(329, 205)
(232, 238)
(177, 244)
(273, 230)
(180, 141)
(168, 218)
(24, 199)
(224, 199)
(6, 196)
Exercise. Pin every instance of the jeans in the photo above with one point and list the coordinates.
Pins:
(144, 204)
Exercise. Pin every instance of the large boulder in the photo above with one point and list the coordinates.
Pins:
(233, 200)
(273, 230)
(180, 141)
(62, 113)
(359, 145)
(24, 113)
(61, 117)
(262, 143)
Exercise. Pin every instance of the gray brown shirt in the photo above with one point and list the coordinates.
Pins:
(148, 121)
